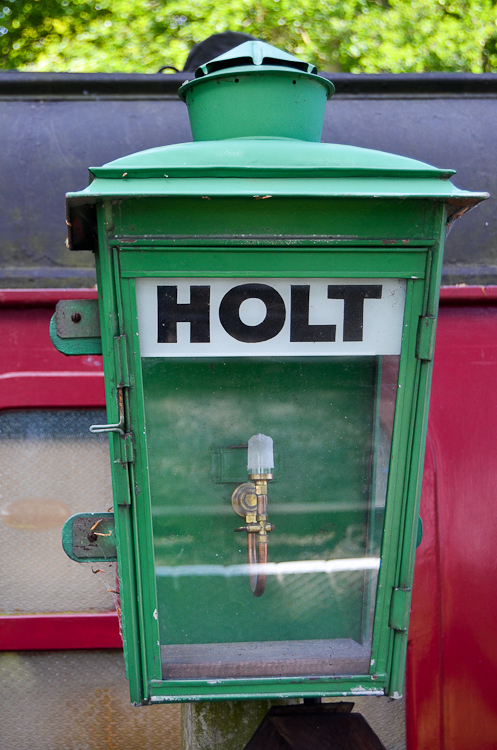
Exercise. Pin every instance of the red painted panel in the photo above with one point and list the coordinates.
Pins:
(59, 631)
(32, 372)
(465, 427)
(456, 566)
(424, 659)
(465, 295)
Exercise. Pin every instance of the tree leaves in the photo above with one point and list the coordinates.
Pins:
(351, 35)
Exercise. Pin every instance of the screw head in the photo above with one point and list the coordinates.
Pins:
(76, 317)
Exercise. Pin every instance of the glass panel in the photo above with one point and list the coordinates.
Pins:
(331, 420)
(51, 468)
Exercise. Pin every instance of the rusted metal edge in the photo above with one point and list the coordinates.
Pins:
(42, 297)
(462, 294)
(91, 86)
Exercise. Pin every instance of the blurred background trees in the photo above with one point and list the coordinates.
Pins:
(369, 36)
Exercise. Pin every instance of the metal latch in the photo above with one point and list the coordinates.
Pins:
(97, 429)
(126, 452)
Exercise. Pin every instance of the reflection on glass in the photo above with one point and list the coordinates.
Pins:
(331, 423)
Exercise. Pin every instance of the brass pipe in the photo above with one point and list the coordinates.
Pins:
(257, 580)
(257, 528)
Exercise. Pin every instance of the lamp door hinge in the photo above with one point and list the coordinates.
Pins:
(122, 361)
(400, 605)
(426, 338)
(126, 450)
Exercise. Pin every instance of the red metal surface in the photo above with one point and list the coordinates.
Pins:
(59, 631)
(467, 295)
(452, 665)
(33, 373)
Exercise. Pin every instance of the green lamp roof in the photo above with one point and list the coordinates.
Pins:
(266, 157)
(273, 167)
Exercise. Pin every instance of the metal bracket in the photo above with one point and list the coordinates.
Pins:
(75, 327)
(399, 609)
(77, 318)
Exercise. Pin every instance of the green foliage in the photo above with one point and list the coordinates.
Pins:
(351, 35)
(28, 28)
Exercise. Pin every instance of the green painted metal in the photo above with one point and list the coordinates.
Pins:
(298, 99)
(426, 337)
(276, 220)
(90, 537)
(359, 263)
(220, 690)
(74, 346)
(111, 320)
(269, 158)
(224, 99)
(279, 167)
(399, 609)
(262, 207)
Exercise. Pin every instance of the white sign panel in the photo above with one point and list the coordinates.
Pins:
(269, 317)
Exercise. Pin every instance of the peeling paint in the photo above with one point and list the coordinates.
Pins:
(360, 690)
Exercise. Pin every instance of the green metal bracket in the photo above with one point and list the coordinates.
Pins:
(399, 609)
(90, 537)
(426, 338)
(75, 327)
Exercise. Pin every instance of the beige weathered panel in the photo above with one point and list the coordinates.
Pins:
(45, 477)
(77, 700)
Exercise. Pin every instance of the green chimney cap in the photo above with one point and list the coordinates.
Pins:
(256, 90)
(254, 53)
